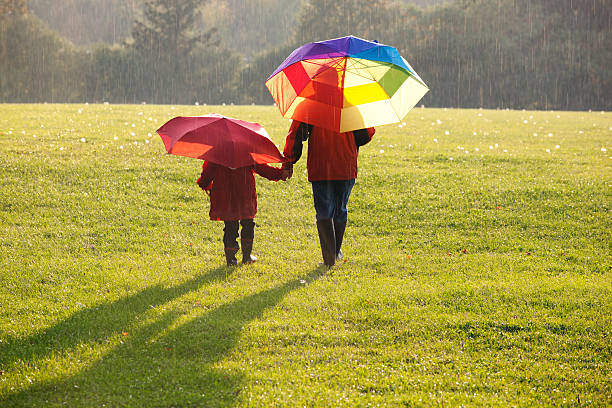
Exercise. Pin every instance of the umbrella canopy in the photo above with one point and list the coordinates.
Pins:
(226, 141)
(345, 84)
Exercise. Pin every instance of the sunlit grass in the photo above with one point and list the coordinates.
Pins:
(478, 267)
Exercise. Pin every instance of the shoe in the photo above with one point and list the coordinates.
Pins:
(339, 227)
(247, 247)
(327, 239)
(230, 256)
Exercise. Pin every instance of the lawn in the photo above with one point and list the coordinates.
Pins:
(478, 264)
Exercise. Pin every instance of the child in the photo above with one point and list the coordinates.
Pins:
(233, 199)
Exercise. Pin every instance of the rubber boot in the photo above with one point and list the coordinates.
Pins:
(230, 256)
(246, 240)
(247, 247)
(230, 233)
(327, 239)
(339, 227)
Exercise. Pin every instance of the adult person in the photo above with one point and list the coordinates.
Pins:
(332, 170)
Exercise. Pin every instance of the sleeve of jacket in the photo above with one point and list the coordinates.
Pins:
(298, 133)
(208, 174)
(269, 172)
(363, 136)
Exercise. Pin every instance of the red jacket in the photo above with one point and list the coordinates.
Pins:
(331, 155)
(232, 192)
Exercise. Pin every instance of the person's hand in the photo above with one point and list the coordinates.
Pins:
(287, 171)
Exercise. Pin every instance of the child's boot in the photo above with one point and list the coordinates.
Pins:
(247, 247)
(246, 240)
(230, 256)
(230, 234)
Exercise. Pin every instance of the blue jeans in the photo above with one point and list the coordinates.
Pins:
(331, 198)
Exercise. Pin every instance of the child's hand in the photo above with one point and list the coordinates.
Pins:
(287, 172)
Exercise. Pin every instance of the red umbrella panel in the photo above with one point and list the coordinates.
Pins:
(226, 141)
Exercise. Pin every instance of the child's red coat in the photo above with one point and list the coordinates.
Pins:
(232, 192)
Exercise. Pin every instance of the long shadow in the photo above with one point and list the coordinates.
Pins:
(96, 324)
(158, 366)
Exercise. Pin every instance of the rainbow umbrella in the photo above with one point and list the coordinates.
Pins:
(346, 84)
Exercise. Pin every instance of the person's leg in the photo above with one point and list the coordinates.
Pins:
(324, 203)
(247, 233)
(342, 192)
(230, 234)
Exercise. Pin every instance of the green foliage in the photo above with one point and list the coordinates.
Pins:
(12, 8)
(87, 22)
(251, 27)
(36, 64)
(477, 53)
(480, 281)
(543, 54)
(167, 29)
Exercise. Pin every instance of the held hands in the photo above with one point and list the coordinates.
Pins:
(287, 171)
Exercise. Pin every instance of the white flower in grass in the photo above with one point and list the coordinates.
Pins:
(496, 145)
(149, 134)
(490, 147)
(446, 132)
(550, 135)
(535, 134)
(581, 132)
(83, 140)
(61, 149)
(476, 149)
(436, 140)
(505, 151)
(133, 125)
(603, 149)
(525, 121)
(132, 133)
(438, 121)
(147, 141)
(479, 114)
(474, 133)
(139, 113)
(121, 147)
(451, 159)
(557, 146)
(547, 150)
(115, 138)
(382, 151)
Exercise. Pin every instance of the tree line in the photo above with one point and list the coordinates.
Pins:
(535, 54)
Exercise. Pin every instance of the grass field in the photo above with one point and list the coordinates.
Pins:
(478, 267)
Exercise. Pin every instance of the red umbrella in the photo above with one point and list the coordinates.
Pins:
(226, 141)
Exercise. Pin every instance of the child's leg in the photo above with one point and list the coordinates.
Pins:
(246, 240)
(230, 234)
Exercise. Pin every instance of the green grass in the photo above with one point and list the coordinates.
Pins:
(473, 277)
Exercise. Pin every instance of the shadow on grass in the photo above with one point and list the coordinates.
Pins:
(157, 365)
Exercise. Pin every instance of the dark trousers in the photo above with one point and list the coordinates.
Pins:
(331, 198)
(230, 232)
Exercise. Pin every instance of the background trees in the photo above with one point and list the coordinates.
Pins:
(542, 54)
